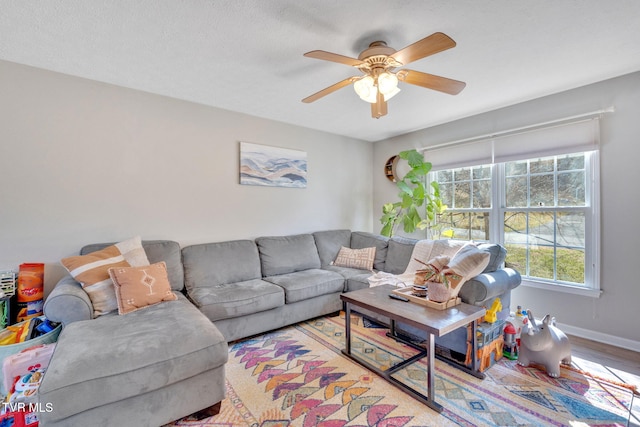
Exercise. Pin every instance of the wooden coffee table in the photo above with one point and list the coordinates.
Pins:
(434, 322)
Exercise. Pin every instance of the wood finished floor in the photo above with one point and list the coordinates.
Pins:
(609, 362)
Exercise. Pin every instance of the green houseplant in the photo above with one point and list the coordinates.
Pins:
(417, 207)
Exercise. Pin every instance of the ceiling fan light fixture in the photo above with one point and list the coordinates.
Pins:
(366, 89)
(388, 96)
(388, 83)
(379, 83)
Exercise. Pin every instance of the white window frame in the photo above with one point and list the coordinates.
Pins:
(591, 211)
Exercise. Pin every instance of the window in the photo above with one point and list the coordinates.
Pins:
(467, 194)
(540, 209)
(545, 214)
(533, 189)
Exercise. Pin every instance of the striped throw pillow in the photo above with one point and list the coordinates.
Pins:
(356, 258)
(92, 271)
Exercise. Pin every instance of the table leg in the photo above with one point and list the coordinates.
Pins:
(347, 327)
(474, 343)
(431, 367)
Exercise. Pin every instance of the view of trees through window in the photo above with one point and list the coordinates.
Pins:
(467, 194)
(536, 208)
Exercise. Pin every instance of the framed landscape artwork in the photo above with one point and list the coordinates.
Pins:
(272, 166)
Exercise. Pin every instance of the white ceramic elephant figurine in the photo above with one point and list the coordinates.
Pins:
(543, 343)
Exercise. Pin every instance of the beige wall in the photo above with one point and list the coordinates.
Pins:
(88, 162)
(610, 318)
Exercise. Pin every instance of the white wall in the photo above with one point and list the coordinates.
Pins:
(87, 162)
(610, 318)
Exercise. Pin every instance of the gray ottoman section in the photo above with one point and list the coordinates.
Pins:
(224, 280)
(162, 345)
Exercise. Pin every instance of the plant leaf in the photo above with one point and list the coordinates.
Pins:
(387, 229)
(404, 188)
(407, 201)
(419, 193)
(412, 157)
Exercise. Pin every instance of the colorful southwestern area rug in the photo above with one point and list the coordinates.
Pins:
(297, 376)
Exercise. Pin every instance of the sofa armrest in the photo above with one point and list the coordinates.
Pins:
(489, 285)
(68, 302)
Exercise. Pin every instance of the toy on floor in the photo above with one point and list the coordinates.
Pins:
(25, 362)
(543, 343)
(485, 352)
(510, 348)
(492, 313)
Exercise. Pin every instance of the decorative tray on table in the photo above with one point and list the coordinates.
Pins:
(408, 293)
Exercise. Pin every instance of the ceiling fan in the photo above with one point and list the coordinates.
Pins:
(379, 81)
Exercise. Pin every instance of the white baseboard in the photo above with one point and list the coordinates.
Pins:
(600, 337)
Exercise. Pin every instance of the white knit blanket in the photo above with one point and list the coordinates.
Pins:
(424, 250)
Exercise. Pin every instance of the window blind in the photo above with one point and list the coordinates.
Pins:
(575, 136)
(552, 141)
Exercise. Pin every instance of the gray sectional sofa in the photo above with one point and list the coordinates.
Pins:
(164, 362)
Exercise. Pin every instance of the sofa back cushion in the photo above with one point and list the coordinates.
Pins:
(498, 255)
(156, 250)
(399, 254)
(362, 239)
(329, 244)
(287, 254)
(212, 264)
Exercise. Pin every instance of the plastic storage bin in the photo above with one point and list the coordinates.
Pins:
(8, 350)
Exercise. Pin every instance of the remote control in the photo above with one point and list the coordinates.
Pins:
(398, 297)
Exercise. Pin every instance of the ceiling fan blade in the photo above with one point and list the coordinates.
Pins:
(379, 108)
(436, 42)
(334, 57)
(431, 81)
(330, 89)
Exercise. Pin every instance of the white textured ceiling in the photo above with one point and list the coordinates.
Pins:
(246, 55)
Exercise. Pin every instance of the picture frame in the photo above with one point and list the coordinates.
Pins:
(265, 165)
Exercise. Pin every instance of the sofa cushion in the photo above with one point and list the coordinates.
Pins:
(287, 254)
(91, 270)
(329, 243)
(141, 287)
(302, 285)
(112, 358)
(214, 264)
(156, 250)
(232, 300)
(348, 273)
(399, 254)
(498, 255)
(169, 252)
(361, 239)
(358, 281)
